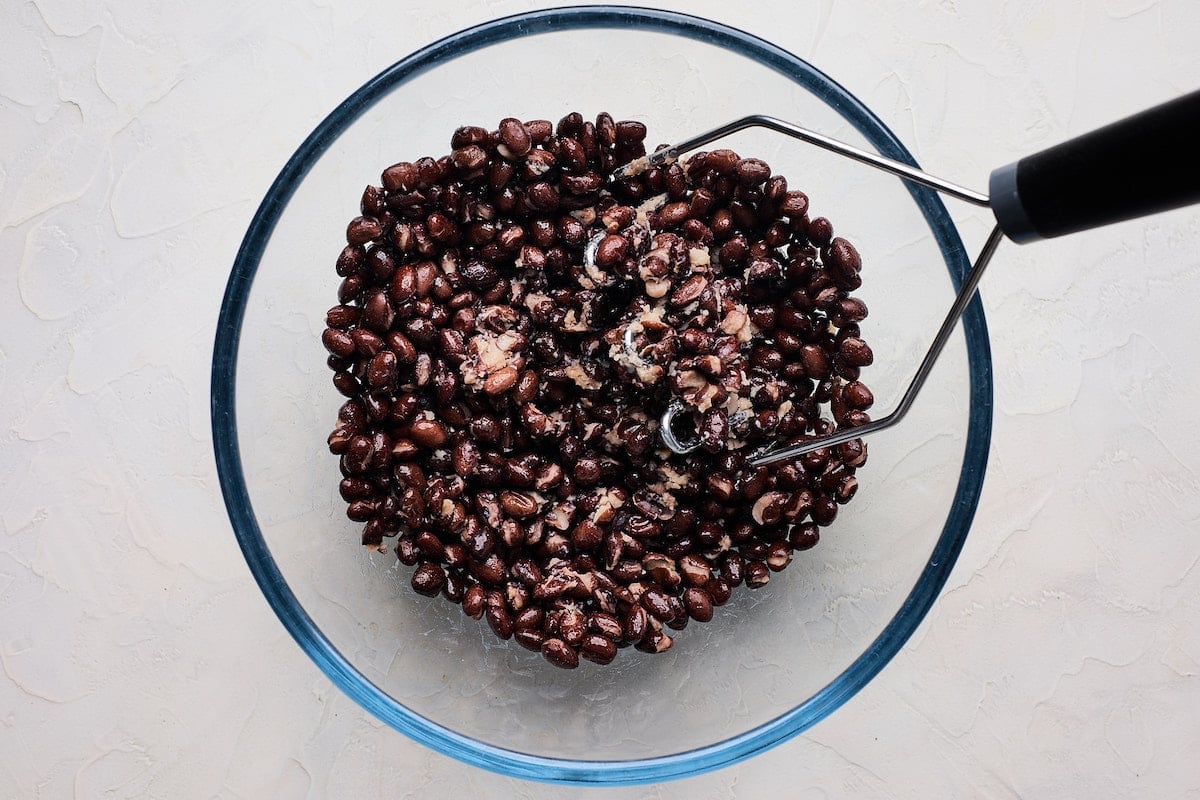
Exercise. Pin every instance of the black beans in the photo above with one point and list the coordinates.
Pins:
(529, 618)
(699, 604)
(820, 231)
(598, 648)
(428, 433)
(856, 352)
(779, 555)
(468, 134)
(572, 626)
(689, 291)
(499, 621)
(529, 638)
(630, 132)
(473, 602)
(338, 342)
(843, 258)
(857, 396)
(515, 137)
(542, 197)
(381, 372)
(560, 654)
(637, 623)
(824, 510)
(428, 579)
(497, 425)
(518, 504)
(611, 250)
(655, 641)
(757, 574)
(469, 158)
(752, 171)
(658, 604)
(501, 380)
(402, 177)
(362, 230)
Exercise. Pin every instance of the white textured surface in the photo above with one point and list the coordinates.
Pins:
(138, 657)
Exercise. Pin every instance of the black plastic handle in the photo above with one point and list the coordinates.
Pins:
(1144, 164)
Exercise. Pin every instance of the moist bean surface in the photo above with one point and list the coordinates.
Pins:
(513, 319)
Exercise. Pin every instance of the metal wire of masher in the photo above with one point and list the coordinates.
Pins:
(897, 168)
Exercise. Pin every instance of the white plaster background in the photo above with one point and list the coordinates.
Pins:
(139, 659)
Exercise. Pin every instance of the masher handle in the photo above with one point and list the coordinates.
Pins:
(1141, 165)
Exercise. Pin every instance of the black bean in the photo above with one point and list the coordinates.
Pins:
(752, 171)
(757, 574)
(719, 591)
(658, 604)
(820, 231)
(815, 360)
(630, 131)
(529, 618)
(560, 654)
(342, 317)
(674, 213)
(529, 638)
(501, 380)
(401, 177)
(407, 551)
(795, 205)
(722, 162)
(824, 510)
(611, 249)
(365, 342)
(456, 587)
(636, 624)
(779, 555)
(542, 197)
(540, 130)
(428, 433)
(846, 489)
(572, 626)
(362, 230)
(518, 504)
(732, 569)
(490, 571)
(842, 257)
(698, 603)
(473, 602)
(688, 292)
(856, 352)
(468, 134)
(499, 621)
(338, 342)
(361, 510)
(655, 642)
(857, 396)
(853, 453)
(598, 648)
(469, 158)
(515, 137)
(428, 579)
(441, 228)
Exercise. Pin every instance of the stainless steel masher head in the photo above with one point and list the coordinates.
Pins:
(1140, 165)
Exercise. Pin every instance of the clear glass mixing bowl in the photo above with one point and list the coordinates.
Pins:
(773, 661)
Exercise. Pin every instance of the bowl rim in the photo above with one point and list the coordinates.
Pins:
(460, 746)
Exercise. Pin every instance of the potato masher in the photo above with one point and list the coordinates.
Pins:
(1140, 165)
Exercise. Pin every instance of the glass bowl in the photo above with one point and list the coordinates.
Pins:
(773, 661)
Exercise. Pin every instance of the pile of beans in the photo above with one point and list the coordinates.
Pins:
(513, 320)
